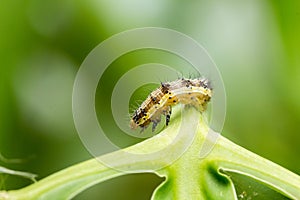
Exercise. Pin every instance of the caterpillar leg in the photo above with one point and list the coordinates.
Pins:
(155, 122)
(143, 128)
(168, 113)
(198, 104)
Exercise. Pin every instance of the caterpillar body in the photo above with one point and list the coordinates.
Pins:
(195, 92)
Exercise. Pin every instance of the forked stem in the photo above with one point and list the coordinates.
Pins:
(187, 176)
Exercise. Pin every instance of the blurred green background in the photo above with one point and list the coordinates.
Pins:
(255, 44)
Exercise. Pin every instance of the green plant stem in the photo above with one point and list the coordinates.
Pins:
(233, 158)
(66, 183)
(191, 177)
(188, 177)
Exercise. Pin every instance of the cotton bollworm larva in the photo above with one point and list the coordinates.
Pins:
(195, 92)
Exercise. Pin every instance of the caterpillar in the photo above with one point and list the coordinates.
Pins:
(195, 92)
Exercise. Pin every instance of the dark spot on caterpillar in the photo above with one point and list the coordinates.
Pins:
(153, 98)
(170, 97)
(170, 93)
(165, 85)
(174, 101)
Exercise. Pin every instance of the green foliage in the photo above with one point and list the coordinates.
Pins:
(229, 171)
